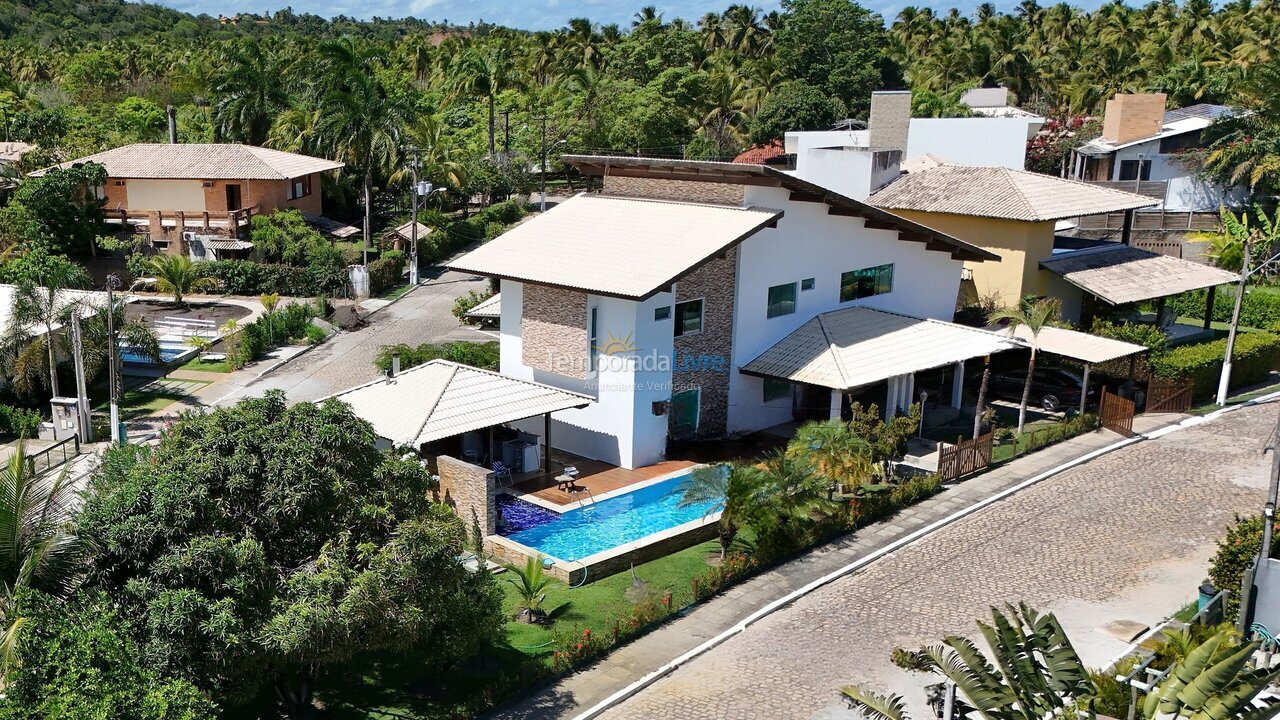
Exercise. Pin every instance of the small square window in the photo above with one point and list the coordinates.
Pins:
(662, 313)
(782, 300)
(806, 284)
(776, 389)
(688, 318)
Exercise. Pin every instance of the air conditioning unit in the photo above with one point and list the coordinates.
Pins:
(966, 273)
(207, 183)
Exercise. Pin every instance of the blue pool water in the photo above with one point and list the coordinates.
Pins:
(593, 528)
(167, 354)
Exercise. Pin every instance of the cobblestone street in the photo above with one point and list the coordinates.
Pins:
(1124, 537)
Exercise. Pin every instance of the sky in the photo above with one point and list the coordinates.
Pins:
(532, 14)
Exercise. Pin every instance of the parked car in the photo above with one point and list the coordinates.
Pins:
(1051, 388)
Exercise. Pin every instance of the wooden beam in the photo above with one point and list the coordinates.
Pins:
(873, 224)
(799, 196)
(843, 211)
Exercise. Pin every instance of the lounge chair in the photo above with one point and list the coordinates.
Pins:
(502, 474)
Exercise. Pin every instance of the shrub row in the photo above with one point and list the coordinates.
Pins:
(484, 225)
(1256, 354)
(273, 329)
(19, 422)
(481, 355)
(1259, 309)
(246, 277)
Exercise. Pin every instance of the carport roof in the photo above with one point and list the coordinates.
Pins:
(1074, 344)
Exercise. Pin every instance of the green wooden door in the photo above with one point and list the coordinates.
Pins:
(684, 412)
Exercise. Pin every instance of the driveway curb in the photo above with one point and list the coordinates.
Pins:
(403, 295)
(649, 679)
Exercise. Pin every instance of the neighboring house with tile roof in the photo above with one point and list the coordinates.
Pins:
(651, 297)
(1143, 145)
(211, 189)
(1011, 213)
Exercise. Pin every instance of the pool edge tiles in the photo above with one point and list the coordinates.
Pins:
(575, 504)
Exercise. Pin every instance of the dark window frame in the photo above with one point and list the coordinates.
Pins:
(866, 282)
(680, 319)
(779, 308)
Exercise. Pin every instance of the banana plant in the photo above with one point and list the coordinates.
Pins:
(1032, 671)
(1213, 682)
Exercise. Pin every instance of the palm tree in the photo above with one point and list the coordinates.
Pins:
(40, 300)
(531, 585)
(485, 72)
(178, 275)
(38, 549)
(1034, 316)
(1213, 681)
(1032, 673)
(249, 93)
(835, 451)
(733, 489)
(359, 120)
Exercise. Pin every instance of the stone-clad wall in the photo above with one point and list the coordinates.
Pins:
(702, 360)
(681, 190)
(554, 330)
(466, 487)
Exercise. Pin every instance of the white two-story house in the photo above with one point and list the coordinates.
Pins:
(696, 299)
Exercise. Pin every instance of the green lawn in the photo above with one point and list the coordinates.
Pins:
(395, 292)
(135, 403)
(395, 686)
(1210, 406)
(218, 366)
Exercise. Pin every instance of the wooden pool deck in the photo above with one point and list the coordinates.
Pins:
(594, 476)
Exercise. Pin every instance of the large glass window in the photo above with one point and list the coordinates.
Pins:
(1130, 169)
(866, 282)
(782, 300)
(593, 338)
(688, 318)
(776, 389)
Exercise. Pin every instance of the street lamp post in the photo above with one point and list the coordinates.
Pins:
(413, 224)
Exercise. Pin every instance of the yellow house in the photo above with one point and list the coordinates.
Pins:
(1011, 213)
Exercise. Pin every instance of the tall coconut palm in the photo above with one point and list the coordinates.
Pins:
(360, 121)
(484, 73)
(1031, 671)
(38, 548)
(1034, 316)
(249, 93)
(179, 276)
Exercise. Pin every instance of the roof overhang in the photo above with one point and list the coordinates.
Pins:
(765, 176)
(1073, 344)
(858, 346)
(441, 399)
(1120, 274)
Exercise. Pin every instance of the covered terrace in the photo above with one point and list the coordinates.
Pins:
(1082, 347)
(863, 354)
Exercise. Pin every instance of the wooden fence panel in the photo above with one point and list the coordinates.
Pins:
(1116, 413)
(965, 457)
(1173, 396)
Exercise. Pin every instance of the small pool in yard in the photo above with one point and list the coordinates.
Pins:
(596, 527)
(172, 349)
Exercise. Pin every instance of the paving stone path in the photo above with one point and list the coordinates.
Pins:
(1124, 536)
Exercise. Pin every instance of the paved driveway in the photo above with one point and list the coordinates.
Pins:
(1124, 537)
(424, 315)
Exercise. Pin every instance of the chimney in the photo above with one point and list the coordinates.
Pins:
(395, 365)
(1131, 117)
(890, 119)
(173, 124)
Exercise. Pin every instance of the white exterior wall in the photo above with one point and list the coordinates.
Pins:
(1186, 191)
(809, 243)
(620, 427)
(981, 141)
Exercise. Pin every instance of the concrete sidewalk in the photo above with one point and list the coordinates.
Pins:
(573, 694)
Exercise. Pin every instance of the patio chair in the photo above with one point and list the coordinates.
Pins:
(502, 474)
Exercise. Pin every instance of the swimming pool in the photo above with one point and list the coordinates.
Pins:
(172, 348)
(596, 527)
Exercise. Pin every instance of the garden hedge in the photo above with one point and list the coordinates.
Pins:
(385, 272)
(1256, 354)
(1259, 309)
(19, 422)
(246, 277)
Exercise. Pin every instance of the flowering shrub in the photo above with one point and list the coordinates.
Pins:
(1236, 551)
(1058, 136)
(733, 568)
(574, 647)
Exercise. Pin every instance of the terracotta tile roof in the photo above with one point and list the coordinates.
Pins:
(760, 153)
(1002, 193)
(203, 162)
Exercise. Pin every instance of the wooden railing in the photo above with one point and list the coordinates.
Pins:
(1152, 220)
(965, 457)
(184, 219)
(1151, 188)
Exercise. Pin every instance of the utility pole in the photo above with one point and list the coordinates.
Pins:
(1225, 379)
(542, 207)
(82, 394)
(413, 227)
(113, 372)
(506, 140)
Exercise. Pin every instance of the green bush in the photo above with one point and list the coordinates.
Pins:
(271, 330)
(481, 355)
(245, 277)
(386, 272)
(315, 334)
(464, 304)
(1256, 355)
(449, 237)
(1236, 552)
(1259, 309)
(19, 422)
